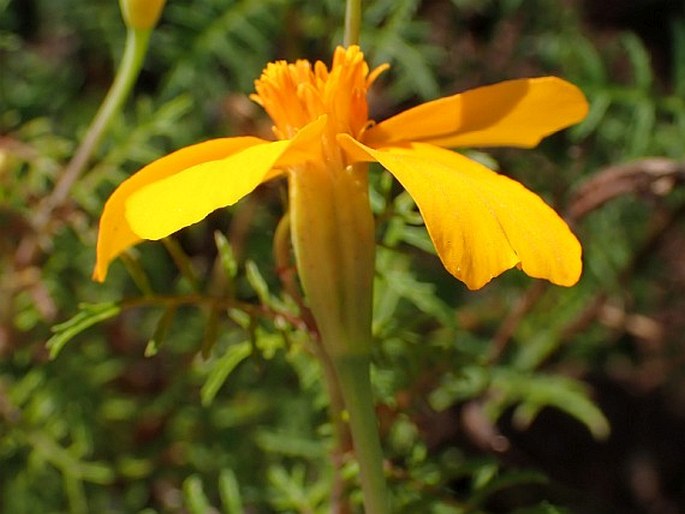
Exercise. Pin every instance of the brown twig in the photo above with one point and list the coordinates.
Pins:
(596, 306)
(652, 177)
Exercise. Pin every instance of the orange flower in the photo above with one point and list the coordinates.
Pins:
(480, 222)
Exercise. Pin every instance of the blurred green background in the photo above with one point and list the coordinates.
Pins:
(185, 383)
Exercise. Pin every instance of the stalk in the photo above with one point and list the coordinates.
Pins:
(137, 42)
(132, 60)
(353, 21)
(332, 231)
(355, 385)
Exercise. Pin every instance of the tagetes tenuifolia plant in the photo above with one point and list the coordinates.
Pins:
(481, 223)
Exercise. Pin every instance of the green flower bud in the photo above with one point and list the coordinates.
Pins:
(141, 14)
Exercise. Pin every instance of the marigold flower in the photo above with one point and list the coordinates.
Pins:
(481, 223)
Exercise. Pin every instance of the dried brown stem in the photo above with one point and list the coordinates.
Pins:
(654, 177)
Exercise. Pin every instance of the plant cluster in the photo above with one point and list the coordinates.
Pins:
(187, 382)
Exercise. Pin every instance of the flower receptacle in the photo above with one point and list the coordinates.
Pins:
(333, 237)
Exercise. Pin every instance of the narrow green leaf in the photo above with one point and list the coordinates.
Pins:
(535, 391)
(256, 280)
(226, 255)
(181, 260)
(89, 315)
(639, 58)
(240, 317)
(598, 108)
(589, 57)
(194, 496)
(161, 331)
(229, 491)
(420, 294)
(644, 119)
(137, 273)
(283, 443)
(469, 382)
(76, 494)
(223, 367)
(499, 483)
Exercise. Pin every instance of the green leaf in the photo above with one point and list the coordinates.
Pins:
(283, 443)
(256, 280)
(471, 381)
(498, 483)
(536, 391)
(644, 118)
(89, 315)
(639, 58)
(590, 59)
(294, 491)
(182, 261)
(229, 492)
(161, 331)
(598, 108)
(137, 273)
(398, 282)
(234, 355)
(226, 255)
(194, 496)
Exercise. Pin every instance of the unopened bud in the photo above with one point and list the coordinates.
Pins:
(141, 14)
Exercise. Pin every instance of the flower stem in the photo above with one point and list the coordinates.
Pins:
(137, 41)
(132, 60)
(353, 17)
(355, 385)
(333, 235)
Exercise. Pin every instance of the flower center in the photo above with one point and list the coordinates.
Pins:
(295, 94)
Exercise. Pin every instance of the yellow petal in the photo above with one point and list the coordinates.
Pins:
(172, 203)
(481, 223)
(115, 234)
(168, 205)
(512, 113)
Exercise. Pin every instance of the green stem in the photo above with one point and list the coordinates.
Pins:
(340, 503)
(131, 62)
(353, 18)
(355, 385)
(134, 52)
